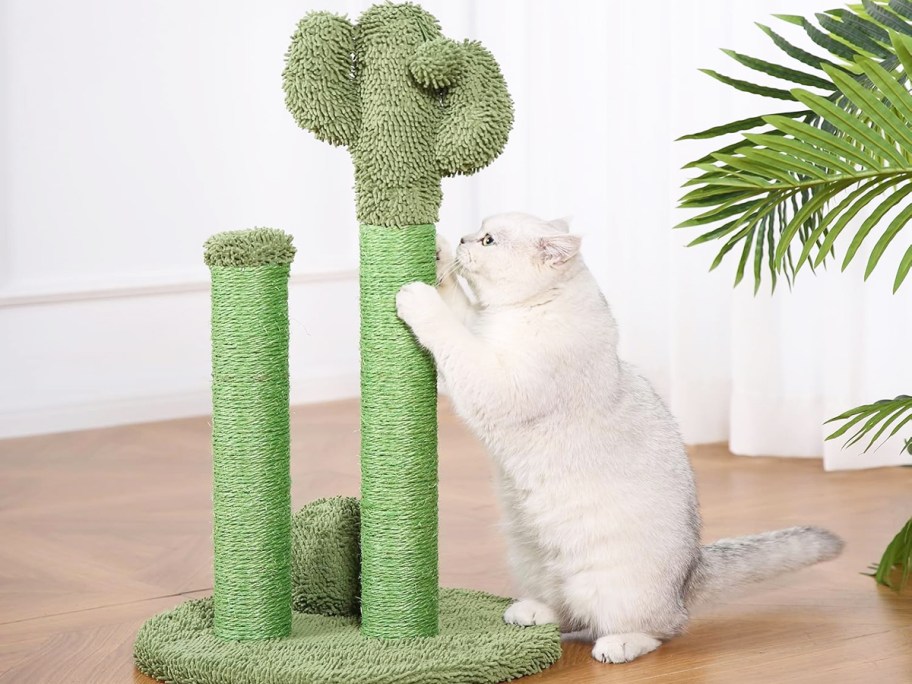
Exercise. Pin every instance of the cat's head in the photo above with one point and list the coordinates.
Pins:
(514, 257)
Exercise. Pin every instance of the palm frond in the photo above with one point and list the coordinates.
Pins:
(886, 17)
(800, 183)
(735, 127)
(873, 420)
(801, 178)
(793, 51)
(897, 556)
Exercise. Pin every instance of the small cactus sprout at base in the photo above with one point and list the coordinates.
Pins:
(326, 557)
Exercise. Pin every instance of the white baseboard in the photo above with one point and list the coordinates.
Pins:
(143, 285)
(145, 409)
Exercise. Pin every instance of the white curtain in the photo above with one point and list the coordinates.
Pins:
(602, 90)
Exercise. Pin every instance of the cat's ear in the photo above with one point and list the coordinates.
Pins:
(561, 224)
(558, 249)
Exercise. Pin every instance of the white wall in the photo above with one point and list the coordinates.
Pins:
(132, 131)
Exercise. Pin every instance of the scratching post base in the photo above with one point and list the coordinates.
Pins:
(474, 647)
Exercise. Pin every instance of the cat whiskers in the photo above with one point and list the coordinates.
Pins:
(452, 269)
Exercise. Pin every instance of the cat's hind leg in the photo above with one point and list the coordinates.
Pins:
(525, 561)
(628, 616)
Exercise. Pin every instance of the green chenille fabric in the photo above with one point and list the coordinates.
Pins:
(249, 248)
(411, 106)
(474, 647)
(326, 557)
(326, 645)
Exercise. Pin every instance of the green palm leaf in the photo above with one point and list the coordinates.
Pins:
(901, 7)
(873, 421)
(736, 126)
(793, 51)
(835, 172)
(800, 186)
(904, 265)
(885, 17)
(847, 34)
(780, 72)
(748, 87)
(828, 41)
(854, 31)
(898, 555)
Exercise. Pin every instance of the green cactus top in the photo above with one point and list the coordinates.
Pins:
(249, 248)
(411, 106)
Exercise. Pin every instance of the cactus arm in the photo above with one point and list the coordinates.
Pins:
(478, 114)
(320, 91)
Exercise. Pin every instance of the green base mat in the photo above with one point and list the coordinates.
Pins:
(474, 647)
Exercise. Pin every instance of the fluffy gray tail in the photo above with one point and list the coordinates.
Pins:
(729, 564)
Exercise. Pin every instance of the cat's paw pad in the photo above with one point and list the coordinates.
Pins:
(415, 300)
(622, 648)
(528, 612)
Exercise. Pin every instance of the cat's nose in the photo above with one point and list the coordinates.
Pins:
(462, 240)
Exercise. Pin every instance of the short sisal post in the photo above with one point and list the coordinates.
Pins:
(250, 433)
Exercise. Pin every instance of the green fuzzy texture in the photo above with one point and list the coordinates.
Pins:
(474, 647)
(438, 64)
(411, 106)
(326, 557)
(249, 248)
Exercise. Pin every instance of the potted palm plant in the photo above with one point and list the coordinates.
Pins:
(834, 170)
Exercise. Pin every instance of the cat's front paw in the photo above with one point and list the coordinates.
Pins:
(528, 612)
(417, 304)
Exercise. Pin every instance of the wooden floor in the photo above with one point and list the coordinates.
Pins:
(101, 529)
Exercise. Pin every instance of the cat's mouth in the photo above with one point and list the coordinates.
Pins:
(463, 261)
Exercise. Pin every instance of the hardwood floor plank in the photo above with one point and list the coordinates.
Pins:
(99, 530)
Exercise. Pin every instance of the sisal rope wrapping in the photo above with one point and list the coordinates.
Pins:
(399, 583)
(250, 449)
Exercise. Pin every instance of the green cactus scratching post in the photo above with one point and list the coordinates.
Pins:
(412, 107)
(250, 433)
(289, 603)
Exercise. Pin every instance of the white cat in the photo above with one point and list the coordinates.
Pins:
(597, 492)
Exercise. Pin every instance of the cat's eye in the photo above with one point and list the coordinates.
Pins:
(487, 240)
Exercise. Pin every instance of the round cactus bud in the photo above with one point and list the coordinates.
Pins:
(326, 557)
(438, 63)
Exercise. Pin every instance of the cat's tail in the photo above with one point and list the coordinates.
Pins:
(729, 564)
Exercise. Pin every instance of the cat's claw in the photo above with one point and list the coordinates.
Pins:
(528, 612)
(622, 648)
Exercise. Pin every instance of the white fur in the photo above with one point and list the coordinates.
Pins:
(598, 496)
